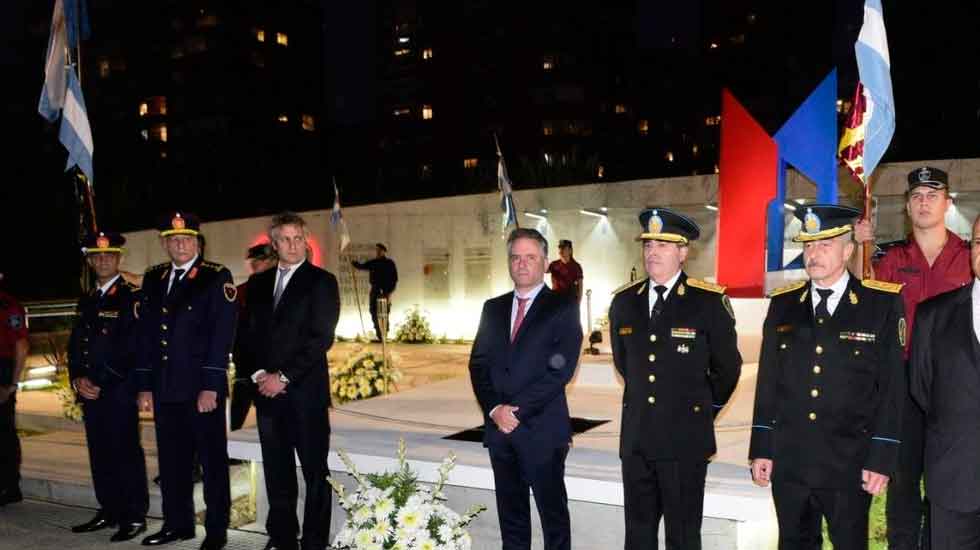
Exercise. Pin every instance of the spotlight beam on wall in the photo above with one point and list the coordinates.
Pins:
(536, 216)
(593, 212)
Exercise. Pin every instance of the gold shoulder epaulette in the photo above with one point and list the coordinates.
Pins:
(883, 286)
(129, 285)
(212, 265)
(629, 285)
(157, 267)
(705, 285)
(788, 288)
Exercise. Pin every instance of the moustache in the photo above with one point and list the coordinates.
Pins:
(814, 263)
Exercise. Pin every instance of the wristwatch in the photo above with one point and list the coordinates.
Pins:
(283, 379)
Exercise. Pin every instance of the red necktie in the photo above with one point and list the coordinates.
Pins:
(521, 302)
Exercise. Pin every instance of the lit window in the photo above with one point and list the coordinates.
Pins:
(548, 159)
(402, 111)
(144, 108)
(283, 118)
(712, 120)
(159, 132)
(260, 35)
(713, 45)
(716, 168)
(163, 153)
(402, 51)
(427, 53)
(548, 63)
(470, 163)
(643, 126)
(426, 112)
(600, 171)
(282, 39)
(403, 39)
(547, 128)
(620, 108)
(425, 172)
(669, 156)
(145, 134)
(157, 105)
(104, 67)
(308, 123)
(694, 150)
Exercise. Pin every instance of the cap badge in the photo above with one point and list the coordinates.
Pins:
(102, 241)
(177, 222)
(925, 174)
(656, 223)
(811, 222)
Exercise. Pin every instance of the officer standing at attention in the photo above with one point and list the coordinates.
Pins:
(383, 278)
(674, 343)
(830, 390)
(14, 346)
(101, 354)
(187, 322)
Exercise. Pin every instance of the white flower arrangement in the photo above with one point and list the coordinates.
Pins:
(364, 374)
(392, 511)
(415, 329)
(68, 398)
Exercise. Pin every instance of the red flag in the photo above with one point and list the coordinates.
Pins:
(851, 148)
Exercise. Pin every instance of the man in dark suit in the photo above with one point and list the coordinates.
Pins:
(100, 356)
(383, 277)
(187, 323)
(673, 341)
(525, 352)
(830, 391)
(945, 356)
(261, 257)
(290, 316)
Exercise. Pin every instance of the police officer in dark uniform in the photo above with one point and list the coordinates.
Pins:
(674, 342)
(101, 354)
(830, 390)
(261, 257)
(13, 353)
(383, 278)
(187, 322)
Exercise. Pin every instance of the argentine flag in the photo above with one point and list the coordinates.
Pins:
(874, 68)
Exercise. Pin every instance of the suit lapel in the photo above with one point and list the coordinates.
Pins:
(294, 287)
(506, 305)
(965, 319)
(541, 301)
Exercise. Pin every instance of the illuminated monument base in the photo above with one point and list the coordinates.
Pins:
(738, 515)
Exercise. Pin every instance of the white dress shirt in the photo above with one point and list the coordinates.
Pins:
(975, 295)
(531, 295)
(105, 288)
(652, 294)
(839, 287)
(284, 275)
(173, 271)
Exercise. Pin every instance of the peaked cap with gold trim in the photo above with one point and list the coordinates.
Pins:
(103, 242)
(824, 221)
(179, 223)
(662, 224)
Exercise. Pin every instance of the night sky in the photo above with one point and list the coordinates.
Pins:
(935, 74)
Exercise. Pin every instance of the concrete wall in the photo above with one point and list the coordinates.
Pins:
(451, 254)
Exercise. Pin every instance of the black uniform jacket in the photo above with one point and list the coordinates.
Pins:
(829, 396)
(679, 371)
(102, 343)
(186, 336)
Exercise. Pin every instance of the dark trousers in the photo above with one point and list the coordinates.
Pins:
(955, 530)
(242, 397)
(515, 471)
(799, 508)
(181, 431)
(373, 306)
(907, 510)
(669, 489)
(116, 456)
(288, 428)
(9, 447)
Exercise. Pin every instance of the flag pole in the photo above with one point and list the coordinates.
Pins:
(357, 295)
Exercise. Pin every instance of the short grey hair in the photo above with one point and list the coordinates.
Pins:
(286, 218)
(524, 233)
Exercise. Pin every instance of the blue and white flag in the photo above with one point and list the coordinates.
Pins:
(506, 191)
(874, 68)
(337, 219)
(75, 133)
(53, 91)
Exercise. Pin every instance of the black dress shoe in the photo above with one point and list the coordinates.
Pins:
(10, 496)
(128, 531)
(214, 542)
(98, 523)
(166, 536)
(273, 545)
